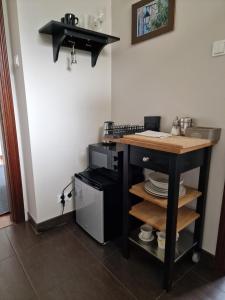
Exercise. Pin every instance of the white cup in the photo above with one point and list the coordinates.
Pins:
(146, 232)
(162, 239)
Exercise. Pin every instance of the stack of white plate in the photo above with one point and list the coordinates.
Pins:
(158, 185)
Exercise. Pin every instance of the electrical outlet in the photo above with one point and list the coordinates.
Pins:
(59, 198)
(67, 199)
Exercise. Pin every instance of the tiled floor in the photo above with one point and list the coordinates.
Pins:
(66, 264)
(5, 221)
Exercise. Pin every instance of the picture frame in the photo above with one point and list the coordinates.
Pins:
(151, 18)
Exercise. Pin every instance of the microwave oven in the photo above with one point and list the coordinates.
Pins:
(106, 156)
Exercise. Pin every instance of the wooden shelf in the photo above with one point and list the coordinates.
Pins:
(66, 35)
(139, 191)
(185, 244)
(156, 216)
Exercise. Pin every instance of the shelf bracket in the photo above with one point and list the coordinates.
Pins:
(95, 54)
(57, 41)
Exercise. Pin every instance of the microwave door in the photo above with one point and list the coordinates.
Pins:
(90, 209)
(98, 159)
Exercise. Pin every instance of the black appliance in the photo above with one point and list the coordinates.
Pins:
(109, 157)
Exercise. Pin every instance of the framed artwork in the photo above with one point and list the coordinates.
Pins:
(151, 18)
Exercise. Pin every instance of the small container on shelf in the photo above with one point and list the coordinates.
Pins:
(183, 245)
(146, 233)
(161, 238)
(176, 127)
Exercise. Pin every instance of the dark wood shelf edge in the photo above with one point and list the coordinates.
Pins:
(49, 29)
(135, 190)
(86, 39)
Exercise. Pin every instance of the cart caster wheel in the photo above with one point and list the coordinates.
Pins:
(196, 257)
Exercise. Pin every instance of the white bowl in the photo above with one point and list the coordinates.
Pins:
(161, 180)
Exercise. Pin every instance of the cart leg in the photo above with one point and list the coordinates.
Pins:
(196, 257)
(171, 224)
(201, 202)
(126, 199)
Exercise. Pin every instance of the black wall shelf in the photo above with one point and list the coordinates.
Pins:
(84, 39)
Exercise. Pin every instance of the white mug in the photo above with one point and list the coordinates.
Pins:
(146, 232)
(161, 239)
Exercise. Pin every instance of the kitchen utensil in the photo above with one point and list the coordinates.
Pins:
(108, 132)
(184, 124)
(176, 127)
(119, 130)
(73, 55)
(108, 127)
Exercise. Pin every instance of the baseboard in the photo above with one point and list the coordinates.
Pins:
(208, 255)
(210, 260)
(52, 223)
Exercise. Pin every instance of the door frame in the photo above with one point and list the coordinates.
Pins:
(9, 131)
(220, 249)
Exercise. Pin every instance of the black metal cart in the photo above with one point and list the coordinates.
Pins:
(175, 216)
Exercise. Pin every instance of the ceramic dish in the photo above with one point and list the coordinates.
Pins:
(163, 196)
(146, 240)
(150, 185)
(149, 188)
(161, 180)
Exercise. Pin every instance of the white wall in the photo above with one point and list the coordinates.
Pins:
(65, 109)
(175, 74)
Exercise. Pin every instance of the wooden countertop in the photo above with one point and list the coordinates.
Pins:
(173, 144)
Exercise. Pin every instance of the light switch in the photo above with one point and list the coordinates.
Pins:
(218, 48)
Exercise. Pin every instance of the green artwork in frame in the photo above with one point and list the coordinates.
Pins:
(151, 18)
